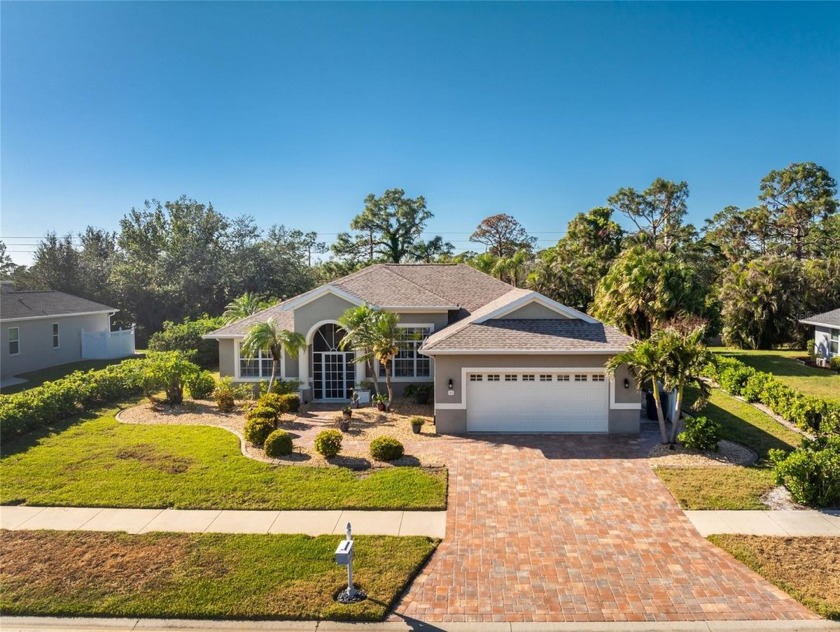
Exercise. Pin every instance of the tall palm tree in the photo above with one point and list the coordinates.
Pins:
(241, 307)
(374, 334)
(686, 358)
(269, 338)
(646, 361)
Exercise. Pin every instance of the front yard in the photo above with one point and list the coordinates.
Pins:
(806, 568)
(200, 575)
(97, 461)
(734, 487)
(781, 363)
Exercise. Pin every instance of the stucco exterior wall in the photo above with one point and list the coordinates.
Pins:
(534, 311)
(227, 362)
(454, 420)
(822, 342)
(36, 350)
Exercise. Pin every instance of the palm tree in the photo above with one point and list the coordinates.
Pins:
(645, 359)
(239, 308)
(373, 334)
(269, 338)
(686, 358)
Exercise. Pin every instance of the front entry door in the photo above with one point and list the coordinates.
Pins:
(334, 374)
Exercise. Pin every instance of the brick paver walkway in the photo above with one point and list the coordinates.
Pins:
(576, 528)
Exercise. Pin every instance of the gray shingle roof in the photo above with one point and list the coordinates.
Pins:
(832, 318)
(25, 304)
(285, 318)
(511, 335)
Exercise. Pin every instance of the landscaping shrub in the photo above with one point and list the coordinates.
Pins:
(328, 443)
(811, 472)
(733, 377)
(262, 412)
(201, 385)
(386, 449)
(834, 363)
(273, 401)
(754, 386)
(257, 430)
(68, 396)
(278, 443)
(701, 433)
(223, 394)
(187, 338)
(281, 387)
(166, 371)
(291, 401)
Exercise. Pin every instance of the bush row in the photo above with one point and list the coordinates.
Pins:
(813, 414)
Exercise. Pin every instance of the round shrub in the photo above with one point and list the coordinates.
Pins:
(273, 401)
(386, 449)
(201, 385)
(262, 412)
(811, 472)
(258, 429)
(291, 402)
(278, 443)
(328, 443)
(701, 433)
(834, 363)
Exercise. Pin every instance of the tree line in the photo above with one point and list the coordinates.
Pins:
(749, 274)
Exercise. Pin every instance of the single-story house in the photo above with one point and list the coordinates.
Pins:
(41, 329)
(826, 333)
(502, 359)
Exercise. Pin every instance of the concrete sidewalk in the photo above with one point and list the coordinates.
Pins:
(58, 624)
(428, 523)
(785, 523)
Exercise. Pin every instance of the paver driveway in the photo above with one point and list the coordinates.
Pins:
(576, 528)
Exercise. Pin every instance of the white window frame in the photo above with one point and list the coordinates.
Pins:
(262, 377)
(56, 335)
(413, 378)
(834, 342)
(16, 340)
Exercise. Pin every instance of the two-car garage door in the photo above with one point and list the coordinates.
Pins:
(541, 401)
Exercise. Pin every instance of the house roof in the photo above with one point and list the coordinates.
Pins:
(829, 319)
(20, 304)
(560, 335)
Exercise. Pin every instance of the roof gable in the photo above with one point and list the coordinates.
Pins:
(829, 319)
(534, 298)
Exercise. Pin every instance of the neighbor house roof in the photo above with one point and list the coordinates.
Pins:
(433, 287)
(829, 319)
(22, 304)
(560, 335)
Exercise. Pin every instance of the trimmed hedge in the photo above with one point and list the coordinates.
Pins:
(257, 430)
(811, 472)
(810, 413)
(386, 449)
(278, 443)
(71, 395)
(328, 443)
(701, 433)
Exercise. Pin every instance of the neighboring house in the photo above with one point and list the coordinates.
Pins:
(826, 333)
(41, 329)
(502, 359)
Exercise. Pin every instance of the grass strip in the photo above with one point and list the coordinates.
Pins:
(170, 575)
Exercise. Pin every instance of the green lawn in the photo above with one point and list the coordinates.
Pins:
(200, 575)
(98, 462)
(732, 487)
(781, 363)
(36, 378)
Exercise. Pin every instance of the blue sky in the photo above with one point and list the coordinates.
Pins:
(294, 112)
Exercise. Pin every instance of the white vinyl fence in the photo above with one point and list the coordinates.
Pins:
(105, 345)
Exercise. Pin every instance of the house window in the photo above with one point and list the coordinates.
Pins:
(527, 378)
(256, 367)
(14, 340)
(834, 341)
(493, 377)
(55, 336)
(407, 362)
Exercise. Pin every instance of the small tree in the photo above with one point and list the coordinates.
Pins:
(356, 323)
(373, 334)
(166, 371)
(646, 361)
(268, 337)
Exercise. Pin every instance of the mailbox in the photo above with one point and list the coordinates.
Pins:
(344, 552)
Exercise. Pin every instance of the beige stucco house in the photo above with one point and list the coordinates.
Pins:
(502, 359)
(41, 329)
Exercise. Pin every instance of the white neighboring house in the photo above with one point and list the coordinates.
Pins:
(826, 333)
(41, 329)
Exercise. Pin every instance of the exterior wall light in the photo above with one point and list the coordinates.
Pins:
(626, 383)
(451, 384)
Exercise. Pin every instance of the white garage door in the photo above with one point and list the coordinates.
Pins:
(537, 402)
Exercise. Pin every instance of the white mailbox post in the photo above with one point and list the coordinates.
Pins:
(344, 557)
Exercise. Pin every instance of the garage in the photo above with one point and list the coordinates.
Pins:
(538, 401)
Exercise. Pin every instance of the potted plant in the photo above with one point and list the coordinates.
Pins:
(347, 412)
(381, 402)
(342, 422)
(416, 424)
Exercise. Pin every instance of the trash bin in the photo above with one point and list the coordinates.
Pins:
(650, 405)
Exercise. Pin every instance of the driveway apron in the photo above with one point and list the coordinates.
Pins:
(576, 528)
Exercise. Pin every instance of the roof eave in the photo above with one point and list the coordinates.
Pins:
(817, 323)
(43, 316)
(590, 351)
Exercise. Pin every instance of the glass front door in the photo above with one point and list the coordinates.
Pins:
(334, 374)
